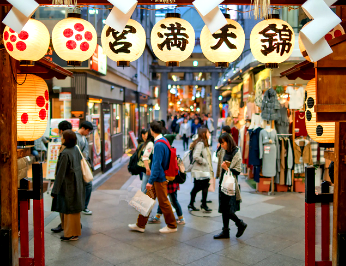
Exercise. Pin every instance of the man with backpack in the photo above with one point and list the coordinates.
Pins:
(163, 167)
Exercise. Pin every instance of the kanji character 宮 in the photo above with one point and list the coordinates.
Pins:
(174, 38)
(118, 37)
(223, 37)
(276, 39)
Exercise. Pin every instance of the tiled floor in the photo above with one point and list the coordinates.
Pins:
(275, 233)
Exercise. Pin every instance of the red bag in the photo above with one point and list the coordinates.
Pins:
(173, 168)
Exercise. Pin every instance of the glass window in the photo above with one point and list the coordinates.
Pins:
(116, 118)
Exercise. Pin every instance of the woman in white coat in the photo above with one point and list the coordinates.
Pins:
(185, 133)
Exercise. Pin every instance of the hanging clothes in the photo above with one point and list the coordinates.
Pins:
(290, 162)
(254, 149)
(302, 155)
(268, 143)
(296, 97)
(270, 106)
(278, 163)
(258, 94)
(242, 142)
(300, 125)
(256, 121)
(235, 134)
(233, 105)
(282, 123)
(283, 162)
(251, 109)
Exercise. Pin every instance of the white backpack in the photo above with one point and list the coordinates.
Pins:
(188, 160)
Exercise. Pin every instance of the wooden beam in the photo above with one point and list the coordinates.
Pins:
(8, 144)
(182, 2)
(203, 69)
(339, 209)
(330, 108)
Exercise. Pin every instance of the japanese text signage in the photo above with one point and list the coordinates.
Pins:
(272, 41)
(225, 45)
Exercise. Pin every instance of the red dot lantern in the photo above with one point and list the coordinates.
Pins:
(74, 39)
(32, 107)
(31, 44)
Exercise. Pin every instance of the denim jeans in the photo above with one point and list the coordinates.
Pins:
(174, 200)
(144, 182)
(88, 189)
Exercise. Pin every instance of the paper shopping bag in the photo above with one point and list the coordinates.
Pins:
(142, 203)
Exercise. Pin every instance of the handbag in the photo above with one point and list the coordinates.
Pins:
(212, 184)
(228, 184)
(142, 203)
(86, 171)
(214, 158)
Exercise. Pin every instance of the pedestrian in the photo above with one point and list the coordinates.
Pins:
(185, 133)
(69, 188)
(40, 147)
(147, 157)
(229, 205)
(195, 127)
(85, 129)
(174, 124)
(62, 127)
(157, 184)
(172, 191)
(221, 152)
(202, 169)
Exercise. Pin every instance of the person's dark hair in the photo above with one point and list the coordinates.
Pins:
(227, 129)
(149, 138)
(202, 136)
(87, 125)
(64, 125)
(196, 118)
(140, 139)
(156, 127)
(226, 137)
(70, 138)
(163, 123)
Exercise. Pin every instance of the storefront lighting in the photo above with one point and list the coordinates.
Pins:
(191, 107)
(169, 46)
(272, 41)
(156, 107)
(31, 44)
(32, 107)
(118, 117)
(198, 109)
(193, 98)
(319, 132)
(90, 105)
(225, 45)
(93, 100)
(195, 63)
(173, 91)
(124, 47)
(74, 39)
(220, 98)
(198, 94)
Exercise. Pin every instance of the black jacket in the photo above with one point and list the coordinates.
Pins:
(69, 186)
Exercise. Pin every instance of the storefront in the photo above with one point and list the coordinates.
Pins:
(130, 117)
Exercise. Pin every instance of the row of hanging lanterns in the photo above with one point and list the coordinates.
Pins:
(172, 39)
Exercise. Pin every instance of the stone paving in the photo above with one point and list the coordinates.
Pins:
(275, 233)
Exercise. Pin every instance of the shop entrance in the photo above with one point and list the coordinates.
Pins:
(106, 137)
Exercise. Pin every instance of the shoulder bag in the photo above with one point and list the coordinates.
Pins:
(86, 171)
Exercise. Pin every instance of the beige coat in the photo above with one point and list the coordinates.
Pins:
(202, 167)
(307, 155)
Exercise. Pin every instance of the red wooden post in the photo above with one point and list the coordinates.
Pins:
(39, 233)
(24, 229)
(310, 213)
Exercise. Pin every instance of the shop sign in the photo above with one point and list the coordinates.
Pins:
(96, 141)
(77, 114)
(107, 136)
(98, 61)
(52, 159)
(65, 96)
(133, 138)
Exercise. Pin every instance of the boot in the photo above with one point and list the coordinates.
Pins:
(191, 207)
(223, 235)
(241, 228)
(206, 208)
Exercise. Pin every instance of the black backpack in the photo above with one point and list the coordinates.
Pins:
(133, 167)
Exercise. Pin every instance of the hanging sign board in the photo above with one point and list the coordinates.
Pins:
(133, 138)
(52, 159)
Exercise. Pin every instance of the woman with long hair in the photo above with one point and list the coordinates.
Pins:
(229, 205)
(146, 153)
(202, 169)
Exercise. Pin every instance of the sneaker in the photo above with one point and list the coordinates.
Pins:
(72, 238)
(167, 230)
(134, 227)
(181, 222)
(154, 220)
(87, 212)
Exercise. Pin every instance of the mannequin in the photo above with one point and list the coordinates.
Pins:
(250, 106)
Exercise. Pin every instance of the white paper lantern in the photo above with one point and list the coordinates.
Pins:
(172, 39)
(319, 132)
(225, 45)
(32, 107)
(74, 39)
(124, 47)
(31, 44)
(272, 41)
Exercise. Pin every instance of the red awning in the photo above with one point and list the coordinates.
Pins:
(45, 69)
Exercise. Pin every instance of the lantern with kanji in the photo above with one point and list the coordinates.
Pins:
(172, 39)
(319, 132)
(32, 107)
(126, 46)
(272, 41)
(74, 39)
(31, 44)
(225, 45)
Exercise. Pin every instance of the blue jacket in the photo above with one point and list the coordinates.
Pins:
(160, 162)
(194, 128)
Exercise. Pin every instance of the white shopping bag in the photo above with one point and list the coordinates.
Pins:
(215, 159)
(228, 184)
(142, 203)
